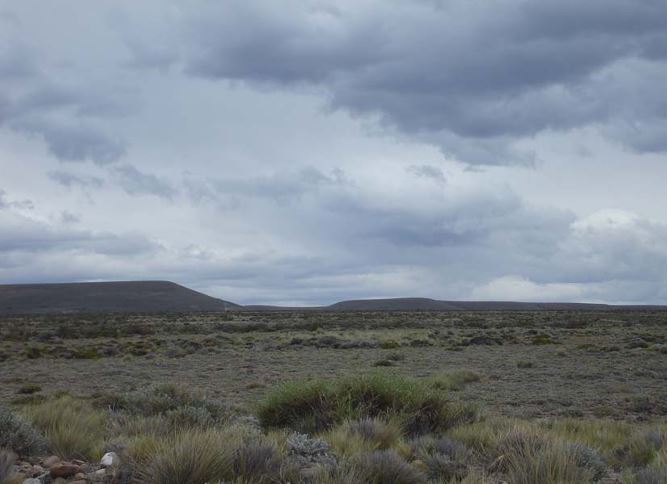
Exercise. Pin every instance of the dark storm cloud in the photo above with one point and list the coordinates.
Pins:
(471, 80)
(68, 117)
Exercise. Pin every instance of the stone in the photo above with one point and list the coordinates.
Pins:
(49, 461)
(79, 475)
(31, 480)
(109, 459)
(64, 469)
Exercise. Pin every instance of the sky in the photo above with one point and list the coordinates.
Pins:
(305, 152)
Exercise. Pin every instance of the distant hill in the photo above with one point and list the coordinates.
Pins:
(426, 304)
(106, 297)
(165, 296)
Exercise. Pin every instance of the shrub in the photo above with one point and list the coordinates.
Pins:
(365, 435)
(258, 462)
(18, 435)
(29, 389)
(72, 427)
(386, 466)
(166, 399)
(445, 458)
(650, 475)
(588, 458)
(455, 380)
(389, 344)
(381, 433)
(317, 405)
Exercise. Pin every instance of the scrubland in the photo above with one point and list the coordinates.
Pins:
(310, 397)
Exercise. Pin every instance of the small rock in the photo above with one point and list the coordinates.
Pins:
(50, 461)
(109, 459)
(36, 470)
(79, 475)
(101, 472)
(64, 469)
(78, 481)
(59, 480)
(31, 480)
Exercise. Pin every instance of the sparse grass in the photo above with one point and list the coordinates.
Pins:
(73, 428)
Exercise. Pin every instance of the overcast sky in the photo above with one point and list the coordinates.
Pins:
(304, 152)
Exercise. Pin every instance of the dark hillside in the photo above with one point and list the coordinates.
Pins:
(106, 297)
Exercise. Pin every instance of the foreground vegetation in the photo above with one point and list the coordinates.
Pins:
(367, 429)
(311, 397)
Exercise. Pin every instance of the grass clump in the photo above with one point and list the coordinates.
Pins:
(18, 435)
(188, 457)
(73, 428)
(386, 466)
(195, 456)
(317, 405)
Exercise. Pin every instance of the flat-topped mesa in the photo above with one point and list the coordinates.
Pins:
(107, 297)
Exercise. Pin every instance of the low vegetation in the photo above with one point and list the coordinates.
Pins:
(367, 429)
(525, 397)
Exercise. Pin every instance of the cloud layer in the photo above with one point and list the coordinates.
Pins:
(307, 152)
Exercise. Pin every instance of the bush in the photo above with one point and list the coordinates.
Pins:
(72, 427)
(29, 389)
(18, 435)
(445, 459)
(166, 399)
(258, 462)
(386, 466)
(317, 405)
(650, 475)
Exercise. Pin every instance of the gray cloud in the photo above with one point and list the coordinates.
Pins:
(300, 147)
(136, 182)
(468, 79)
(70, 180)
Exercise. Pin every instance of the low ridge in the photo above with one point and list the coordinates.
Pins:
(106, 297)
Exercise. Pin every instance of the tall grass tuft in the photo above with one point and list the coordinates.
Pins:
(73, 428)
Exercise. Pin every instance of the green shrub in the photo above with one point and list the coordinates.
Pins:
(73, 428)
(18, 435)
(317, 405)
